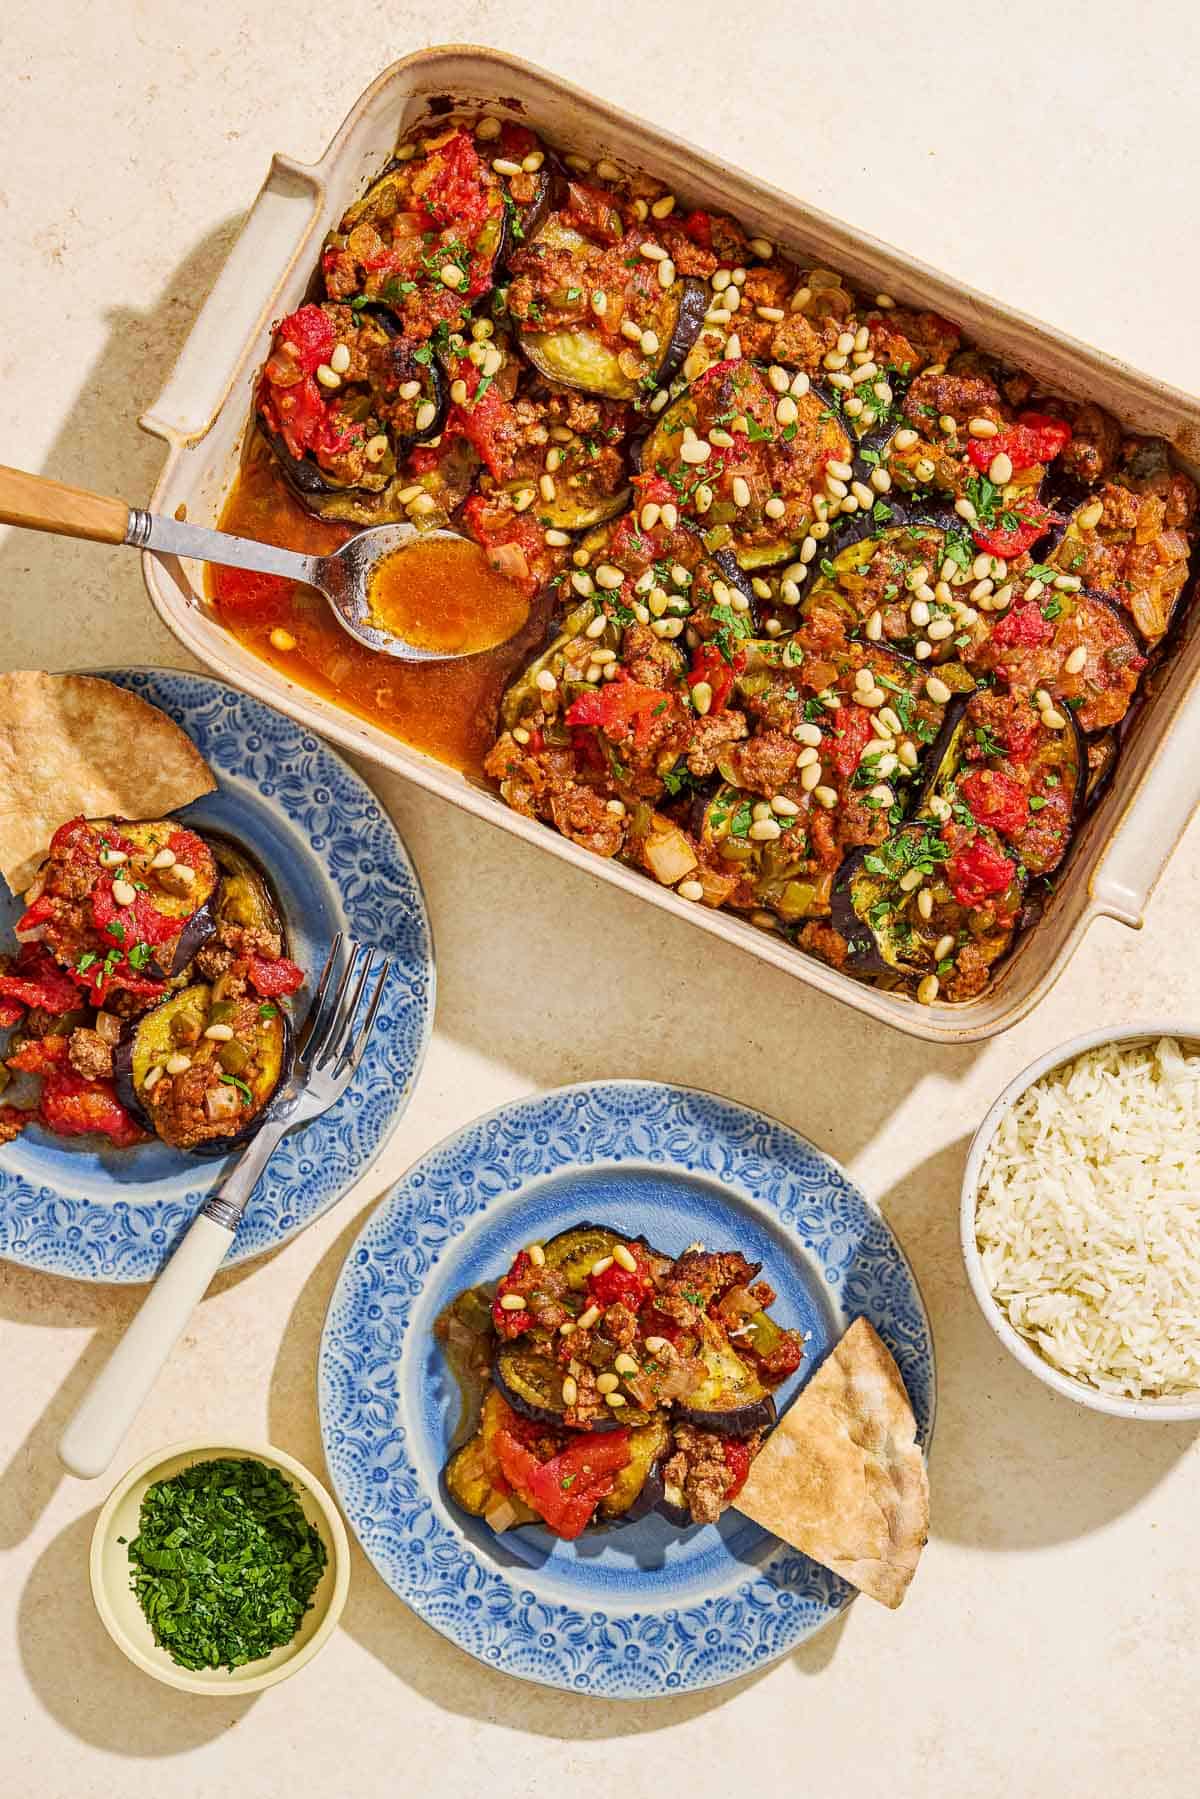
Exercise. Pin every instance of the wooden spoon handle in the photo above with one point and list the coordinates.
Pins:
(41, 505)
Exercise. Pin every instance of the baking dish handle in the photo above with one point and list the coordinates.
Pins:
(1155, 820)
(275, 233)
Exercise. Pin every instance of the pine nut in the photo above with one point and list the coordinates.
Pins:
(178, 1064)
(152, 1079)
(570, 1390)
(546, 680)
(1068, 583)
(376, 448)
(696, 451)
(1053, 720)
(741, 491)
(965, 510)
(504, 165)
(702, 697)
(775, 507)
(615, 1400)
(586, 1319)
(940, 629)
(826, 797)
(653, 252)
(624, 1363)
(339, 361)
(1000, 469)
(657, 1345)
(787, 412)
(904, 440)
(451, 274)
(114, 858)
(1091, 515)
(426, 413)
(928, 990)
(764, 830)
(602, 1265)
(537, 1255)
(809, 734)
(911, 881)
(123, 893)
(1076, 660)
(937, 690)
(983, 428)
(607, 1383)
(925, 904)
(690, 890)
(219, 1033)
(874, 626)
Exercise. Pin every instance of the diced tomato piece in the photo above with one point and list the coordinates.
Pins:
(591, 210)
(71, 1106)
(41, 1055)
(40, 913)
(103, 977)
(978, 872)
(698, 226)
(508, 1323)
(37, 980)
(311, 334)
(515, 542)
(453, 188)
(620, 707)
(737, 1460)
(189, 849)
(709, 665)
(995, 799)
(1035, 438)
(274, 979)
(1023, 628)
(852, 733)
(78, 842)
(622, 1286)
(566, 1490)
(141, 922)
(11, 1012)
(488, 423)
(1031, 523)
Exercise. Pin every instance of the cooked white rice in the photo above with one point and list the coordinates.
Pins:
(1088, 1218)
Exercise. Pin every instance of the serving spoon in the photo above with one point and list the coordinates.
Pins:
(38, 504)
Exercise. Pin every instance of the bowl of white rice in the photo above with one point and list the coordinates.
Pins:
(1081, 1220)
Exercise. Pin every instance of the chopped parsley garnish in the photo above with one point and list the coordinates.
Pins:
(231, 1080)
(115, 929)
(225, 1563)
(139, 955)
(1037, 801)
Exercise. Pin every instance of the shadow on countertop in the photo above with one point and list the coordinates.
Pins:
(85, 1682)
(90, 599)
(1014, 1465)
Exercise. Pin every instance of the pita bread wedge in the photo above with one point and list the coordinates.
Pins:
(841, 1477)
(73, 744)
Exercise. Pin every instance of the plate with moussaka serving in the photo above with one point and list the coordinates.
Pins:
(177, 860)
(554, 1363)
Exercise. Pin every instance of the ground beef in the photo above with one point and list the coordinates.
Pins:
(709, 737)
(12, 1122)
(908, 341)
(90, 1055)
(582, 815)
(651, 660)
(620, 1326)
(698, 1465)
(822, 940)
(766, 763)
(1095, 441)
(964, 397)
(970, 974)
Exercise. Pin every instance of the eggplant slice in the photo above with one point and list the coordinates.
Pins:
(396, 365)
(731, 1400)
(225, 1094)
(1053, 777)
(881, 921)
(787, 460)
(583, 358)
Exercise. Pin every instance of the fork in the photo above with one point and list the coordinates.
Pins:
(329, 1049)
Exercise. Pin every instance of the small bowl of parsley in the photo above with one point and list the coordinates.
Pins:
(219, 1569)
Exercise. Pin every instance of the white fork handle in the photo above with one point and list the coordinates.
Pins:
(94, 1434)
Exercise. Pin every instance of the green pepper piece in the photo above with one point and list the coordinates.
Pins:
(234, 1057)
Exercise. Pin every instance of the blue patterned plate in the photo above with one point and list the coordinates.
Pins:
(642, 1609)
(337, 863)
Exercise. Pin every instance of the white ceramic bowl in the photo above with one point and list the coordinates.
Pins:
(1176, 1410)
(122, 1615)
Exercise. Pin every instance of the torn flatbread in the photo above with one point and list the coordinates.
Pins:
(841, 1477)
(74, 745)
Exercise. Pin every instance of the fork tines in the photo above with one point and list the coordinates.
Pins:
(344, 1008)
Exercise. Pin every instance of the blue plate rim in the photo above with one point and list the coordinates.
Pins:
(52, 1256)
(390, 1199)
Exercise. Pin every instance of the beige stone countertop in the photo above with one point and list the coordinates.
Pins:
(1041, 152)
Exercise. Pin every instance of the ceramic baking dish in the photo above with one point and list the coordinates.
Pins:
(204, 409)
